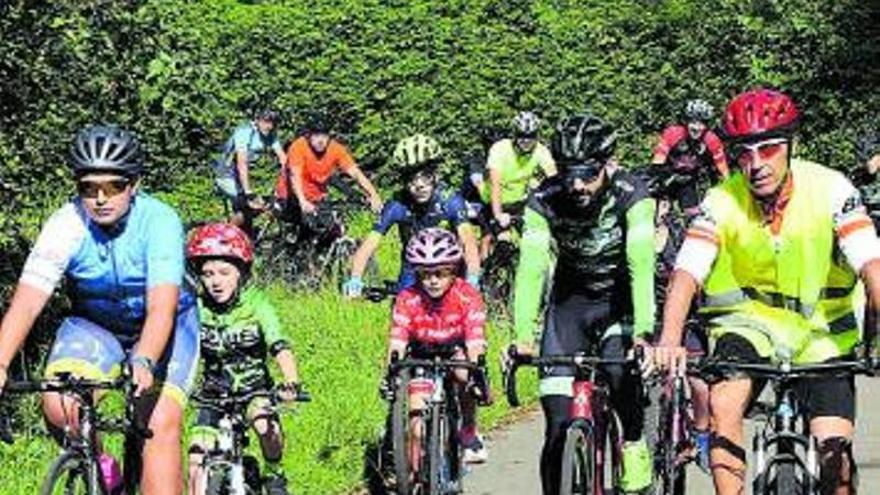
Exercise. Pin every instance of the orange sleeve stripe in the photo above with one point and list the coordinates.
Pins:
(692, 234)
(703, 230)
(850, 227)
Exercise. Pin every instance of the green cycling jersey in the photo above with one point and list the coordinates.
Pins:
(518, 170)
(605, 252)
(235, 342)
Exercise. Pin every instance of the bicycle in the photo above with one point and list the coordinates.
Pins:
(593, 421)
(227, 469)
(786, 455)
(675, 444)
(441, 470)
(77, 469)
(378, 293)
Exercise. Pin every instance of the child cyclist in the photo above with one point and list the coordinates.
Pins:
(444, 314)
(239, 328)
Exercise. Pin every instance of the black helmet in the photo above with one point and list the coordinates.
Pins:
(106, 149)
(317, 123)
(269, 115)
(583, 141)
(867, 145)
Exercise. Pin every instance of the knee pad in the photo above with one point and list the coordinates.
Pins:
(835, 453)
(272, 450)
(718, 442)
(196, 450)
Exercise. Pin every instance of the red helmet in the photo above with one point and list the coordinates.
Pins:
(220, 240)
(758, 114)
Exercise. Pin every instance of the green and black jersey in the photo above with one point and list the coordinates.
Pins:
(235, 343)
(605, 253)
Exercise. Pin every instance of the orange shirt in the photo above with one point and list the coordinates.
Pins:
(314, 171)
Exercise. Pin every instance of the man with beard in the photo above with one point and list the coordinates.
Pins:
(422, 203)
(597, 221)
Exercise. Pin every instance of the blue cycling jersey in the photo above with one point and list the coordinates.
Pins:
(443, 210)
(109, 271)
(249, 139)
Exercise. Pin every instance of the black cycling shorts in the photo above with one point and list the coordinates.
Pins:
(832, 396)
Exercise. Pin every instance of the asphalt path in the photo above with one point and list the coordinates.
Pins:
(514, 451)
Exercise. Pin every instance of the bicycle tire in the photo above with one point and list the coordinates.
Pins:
(399, 429)
(578, 461)
(670, 473)
(437, 461)
(785, 480)
(80, 480)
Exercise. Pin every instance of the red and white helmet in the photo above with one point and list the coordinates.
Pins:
(220, 240)
(433, 246)
(759, 114)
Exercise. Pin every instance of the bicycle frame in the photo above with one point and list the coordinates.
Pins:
(590, 410)
(228, 449)
(443, 412)
(83, 444)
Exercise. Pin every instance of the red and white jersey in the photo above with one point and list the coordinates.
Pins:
(458, 317)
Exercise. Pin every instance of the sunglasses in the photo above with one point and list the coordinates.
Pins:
(438, 272)
(744, 154)
(110, 188)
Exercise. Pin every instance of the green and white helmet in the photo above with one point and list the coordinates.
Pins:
(415, 152)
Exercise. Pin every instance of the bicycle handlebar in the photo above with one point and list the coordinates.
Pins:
(380, 293)
(223, 402)
(716, 370)
(513, 360)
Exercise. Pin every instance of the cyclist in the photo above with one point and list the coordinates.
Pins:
(129, 302)
(239, 328)
(423, 203)
(441, 314)
(865, 178)
(600, 219)
(312, 159)
(513, 166)
(777, 251)
(246, 145)
(691, 150)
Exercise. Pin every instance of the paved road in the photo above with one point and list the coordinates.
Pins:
(514, 450)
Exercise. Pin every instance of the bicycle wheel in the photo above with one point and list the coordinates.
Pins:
(216, 480)
(785, 481)
(669, 470)
(578, 461)
(399, 437)
(71, 474)
(437, 461)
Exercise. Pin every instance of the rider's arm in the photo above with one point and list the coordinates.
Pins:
(716, 148)
(27, 303)
(640, 260)
(535, 263)
(295, 168)
(159, 322)
(59, 240)
(277, 343)
(364, 182)
(692, 266)
(475, 325)
(857, 239)
(241, 166)
(495, 185)
(471, 252)
(455, 210)
(401, 323)
(668, 138)
(361, 257)
(165, 270)
(279, 152)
